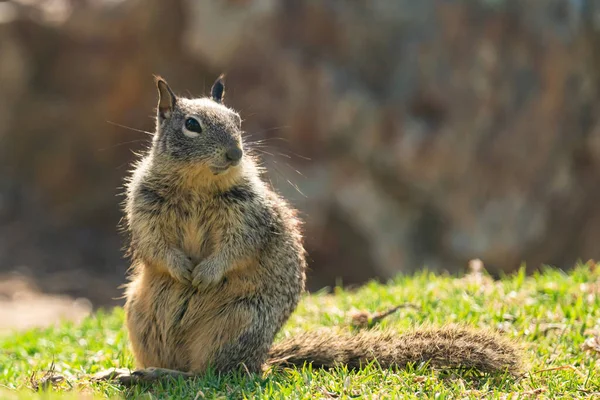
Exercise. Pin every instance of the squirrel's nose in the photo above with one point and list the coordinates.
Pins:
(234, 154)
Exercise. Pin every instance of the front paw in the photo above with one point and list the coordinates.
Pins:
(207, 273)
(180, 267)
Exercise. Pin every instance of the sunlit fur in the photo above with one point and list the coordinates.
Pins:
(182, 210)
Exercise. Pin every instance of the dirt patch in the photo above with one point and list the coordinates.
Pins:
(23, 306)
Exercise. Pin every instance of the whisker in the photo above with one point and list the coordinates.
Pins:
(264, 152)
(295, 170)
(121, 144)
(303, 157)
(260, 142)
(268, 138)
(280, 173)
(253, 145)
(275, 128)
(130, 128)
(292, 168)
(296, 187)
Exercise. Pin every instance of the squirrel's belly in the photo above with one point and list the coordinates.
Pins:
(176, 326)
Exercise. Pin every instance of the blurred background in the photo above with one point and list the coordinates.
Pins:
(410, 134)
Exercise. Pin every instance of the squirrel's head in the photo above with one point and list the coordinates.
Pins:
(199, 131)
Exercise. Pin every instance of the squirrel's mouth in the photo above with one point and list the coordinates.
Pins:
(221, 169)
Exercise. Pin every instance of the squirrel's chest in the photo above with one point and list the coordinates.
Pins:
(199, 228)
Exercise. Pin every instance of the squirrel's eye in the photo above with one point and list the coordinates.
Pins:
(192, 125)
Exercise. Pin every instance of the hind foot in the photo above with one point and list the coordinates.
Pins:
(128, 377)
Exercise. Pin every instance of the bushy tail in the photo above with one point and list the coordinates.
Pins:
(448, 347)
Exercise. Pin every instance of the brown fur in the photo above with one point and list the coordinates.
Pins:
(218, 266)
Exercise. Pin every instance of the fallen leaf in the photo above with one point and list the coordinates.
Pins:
(591, 344)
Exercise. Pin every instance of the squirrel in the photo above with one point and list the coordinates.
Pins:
(218, 265)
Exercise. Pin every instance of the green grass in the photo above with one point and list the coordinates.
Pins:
(552, 313)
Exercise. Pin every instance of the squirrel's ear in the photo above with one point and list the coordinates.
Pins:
(217, 92)
(166, 98)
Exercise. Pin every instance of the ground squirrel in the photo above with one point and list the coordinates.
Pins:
(219, 265)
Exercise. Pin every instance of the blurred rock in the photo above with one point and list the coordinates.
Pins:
(426, 133)
(75, 86)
